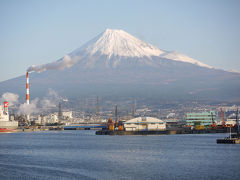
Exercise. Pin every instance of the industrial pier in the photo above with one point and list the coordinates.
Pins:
(162, 132)
(229, 140)
(153, 126)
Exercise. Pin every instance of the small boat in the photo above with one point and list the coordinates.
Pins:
(232, 138)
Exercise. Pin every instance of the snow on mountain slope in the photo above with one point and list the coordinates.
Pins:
(181, 57)
(111, 48)
(119, 43)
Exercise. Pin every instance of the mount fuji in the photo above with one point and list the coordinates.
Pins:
(115, 63)
(115, 49)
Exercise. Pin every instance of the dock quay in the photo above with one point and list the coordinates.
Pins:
(233, 138)
(163, 132)
(228, 141)
(85, 127)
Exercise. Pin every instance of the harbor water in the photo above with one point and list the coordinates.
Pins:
(84, 155)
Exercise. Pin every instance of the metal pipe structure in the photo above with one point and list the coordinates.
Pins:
(27, 94)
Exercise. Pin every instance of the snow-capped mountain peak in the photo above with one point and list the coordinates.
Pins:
(118, 43)
(113, 48)
(114, 42)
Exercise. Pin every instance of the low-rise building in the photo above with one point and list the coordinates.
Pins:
(144, 124)
(203, 118)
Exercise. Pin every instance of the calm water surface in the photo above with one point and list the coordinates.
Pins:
(83, 155)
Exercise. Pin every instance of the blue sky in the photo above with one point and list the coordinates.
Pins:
(37, 32)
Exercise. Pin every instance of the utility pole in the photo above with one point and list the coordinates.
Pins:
(97, 106)
(116, 114)
(59, 112)
(133, 110)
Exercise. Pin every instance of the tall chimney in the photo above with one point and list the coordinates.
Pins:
(27, 88)
(116, 114)
(27, 94)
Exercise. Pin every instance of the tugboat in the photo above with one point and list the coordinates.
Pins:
(232, 138)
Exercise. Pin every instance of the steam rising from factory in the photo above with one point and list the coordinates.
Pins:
(65, 62)
(36, 105)
(51, 100)
(28, 109)
(10, 97)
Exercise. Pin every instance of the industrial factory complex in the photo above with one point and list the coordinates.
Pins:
(142, 118)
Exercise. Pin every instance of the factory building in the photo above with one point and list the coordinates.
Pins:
(67, 115)
(204, 118)
(38, 120)
(54, 118)
(144, 124)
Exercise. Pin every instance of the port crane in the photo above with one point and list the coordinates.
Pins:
(223, 121)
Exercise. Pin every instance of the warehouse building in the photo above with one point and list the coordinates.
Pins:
(144, 124)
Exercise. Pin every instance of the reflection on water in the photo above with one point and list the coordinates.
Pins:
(83, 155)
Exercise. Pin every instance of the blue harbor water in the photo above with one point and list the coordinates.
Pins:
(83, 155)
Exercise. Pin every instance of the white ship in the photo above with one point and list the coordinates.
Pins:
(5, 124)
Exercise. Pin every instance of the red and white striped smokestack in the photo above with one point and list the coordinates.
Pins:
(27, 94)
(27, 88)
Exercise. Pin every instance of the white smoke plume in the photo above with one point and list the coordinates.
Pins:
(11, 98)
(65, 62)
(37, 106)
(51, 99)
(29, 108)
